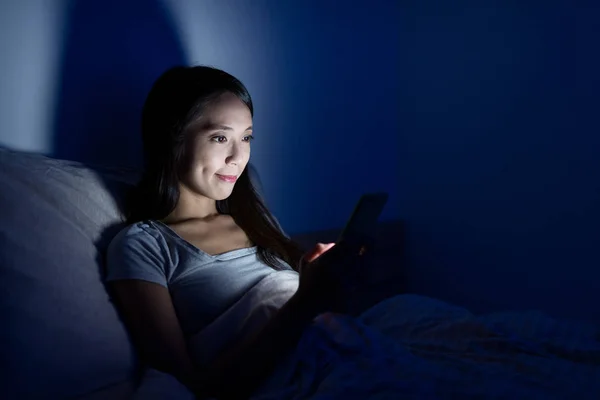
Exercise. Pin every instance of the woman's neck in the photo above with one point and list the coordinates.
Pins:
(192, 206)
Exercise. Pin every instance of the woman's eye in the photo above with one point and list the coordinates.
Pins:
(248, 138)
(219, 139)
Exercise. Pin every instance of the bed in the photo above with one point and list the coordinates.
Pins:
(62, 336)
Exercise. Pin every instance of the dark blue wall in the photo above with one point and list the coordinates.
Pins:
(340, 70)
(500, 182)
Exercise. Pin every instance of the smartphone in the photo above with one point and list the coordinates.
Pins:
(362, 225)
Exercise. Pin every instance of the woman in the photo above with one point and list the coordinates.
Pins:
(199, 237)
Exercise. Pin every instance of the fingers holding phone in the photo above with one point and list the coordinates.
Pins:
(330, 272)
(317, 251)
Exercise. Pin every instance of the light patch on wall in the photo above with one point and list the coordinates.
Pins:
(30, 44)
(234, 36)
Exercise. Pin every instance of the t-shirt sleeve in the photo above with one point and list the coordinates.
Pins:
(136, 254)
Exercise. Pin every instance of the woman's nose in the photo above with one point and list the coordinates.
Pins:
(235, 155)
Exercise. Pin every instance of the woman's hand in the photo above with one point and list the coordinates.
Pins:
(325, 275)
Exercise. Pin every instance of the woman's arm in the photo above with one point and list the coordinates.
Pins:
(150, 317)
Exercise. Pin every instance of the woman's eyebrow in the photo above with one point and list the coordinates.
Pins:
(220, 127)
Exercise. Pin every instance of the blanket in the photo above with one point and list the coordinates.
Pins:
(419, 348)
(414, 347)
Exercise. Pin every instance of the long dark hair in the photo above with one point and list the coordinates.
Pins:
(177, 98)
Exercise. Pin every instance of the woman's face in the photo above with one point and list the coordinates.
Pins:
(220, 148)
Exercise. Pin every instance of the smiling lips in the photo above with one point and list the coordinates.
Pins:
(227, 178)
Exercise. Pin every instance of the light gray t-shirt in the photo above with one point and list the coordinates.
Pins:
(202, 286)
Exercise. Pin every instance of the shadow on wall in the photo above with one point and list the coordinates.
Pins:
(113, 52)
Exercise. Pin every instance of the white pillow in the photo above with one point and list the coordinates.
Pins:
(61, 336)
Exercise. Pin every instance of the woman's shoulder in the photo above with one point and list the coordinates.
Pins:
(142, 233)
(137, 252)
